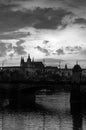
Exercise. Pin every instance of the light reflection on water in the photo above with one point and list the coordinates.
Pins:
(56, 115)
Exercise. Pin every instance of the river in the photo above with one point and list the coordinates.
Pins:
(54, 112)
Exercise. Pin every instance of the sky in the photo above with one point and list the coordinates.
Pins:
(54, 30)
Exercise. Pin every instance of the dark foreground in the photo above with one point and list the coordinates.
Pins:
(51, 111)
(24, 95)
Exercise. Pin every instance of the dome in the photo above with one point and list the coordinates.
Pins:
(77, 68)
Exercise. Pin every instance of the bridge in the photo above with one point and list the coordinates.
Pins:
(22, 94)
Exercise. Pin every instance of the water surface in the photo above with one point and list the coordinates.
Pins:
(54, 112)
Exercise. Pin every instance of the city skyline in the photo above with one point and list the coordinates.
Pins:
(47, 29)
(49, 62)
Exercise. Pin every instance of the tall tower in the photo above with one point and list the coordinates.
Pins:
(28, 59)
(66, 66)
(22, 62)
(44, 62)
(59, 64)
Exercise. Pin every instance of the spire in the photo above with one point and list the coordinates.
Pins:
(66, 66)
(43, 60)
(28, 56)
(22, 61)
(28, 59)
(59, 64)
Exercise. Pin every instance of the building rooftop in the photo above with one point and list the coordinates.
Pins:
(77, 68)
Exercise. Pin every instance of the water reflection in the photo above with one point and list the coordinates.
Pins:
(52, 111)
(76, 111)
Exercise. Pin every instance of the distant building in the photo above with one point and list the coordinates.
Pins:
(76, 74)
(31, 64)
(66, 66)
(51, 69)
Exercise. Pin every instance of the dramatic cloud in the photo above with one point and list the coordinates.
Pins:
(43, 50)
(60, 52)
(25, 4)
(14, 35)
(45, 42)
(7, 49)
(76, 3)
(19, 49)
(76, 6)
(83, 52)
(20, 42)
(38, 18)
(80, 21)
(4, 49)
(49, 18)
(72, 50)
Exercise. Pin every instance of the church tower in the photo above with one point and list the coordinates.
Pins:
(22, 62)
(66, 66)
(28, 59)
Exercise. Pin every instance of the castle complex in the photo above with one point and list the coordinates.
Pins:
(31, 64)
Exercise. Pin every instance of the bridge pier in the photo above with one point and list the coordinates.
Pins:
(15, 96)
(25, 99)
(76, 95)
(22, 99)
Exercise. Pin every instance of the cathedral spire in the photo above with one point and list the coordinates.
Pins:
(22, 61)
(28, 59)
(29, 56)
